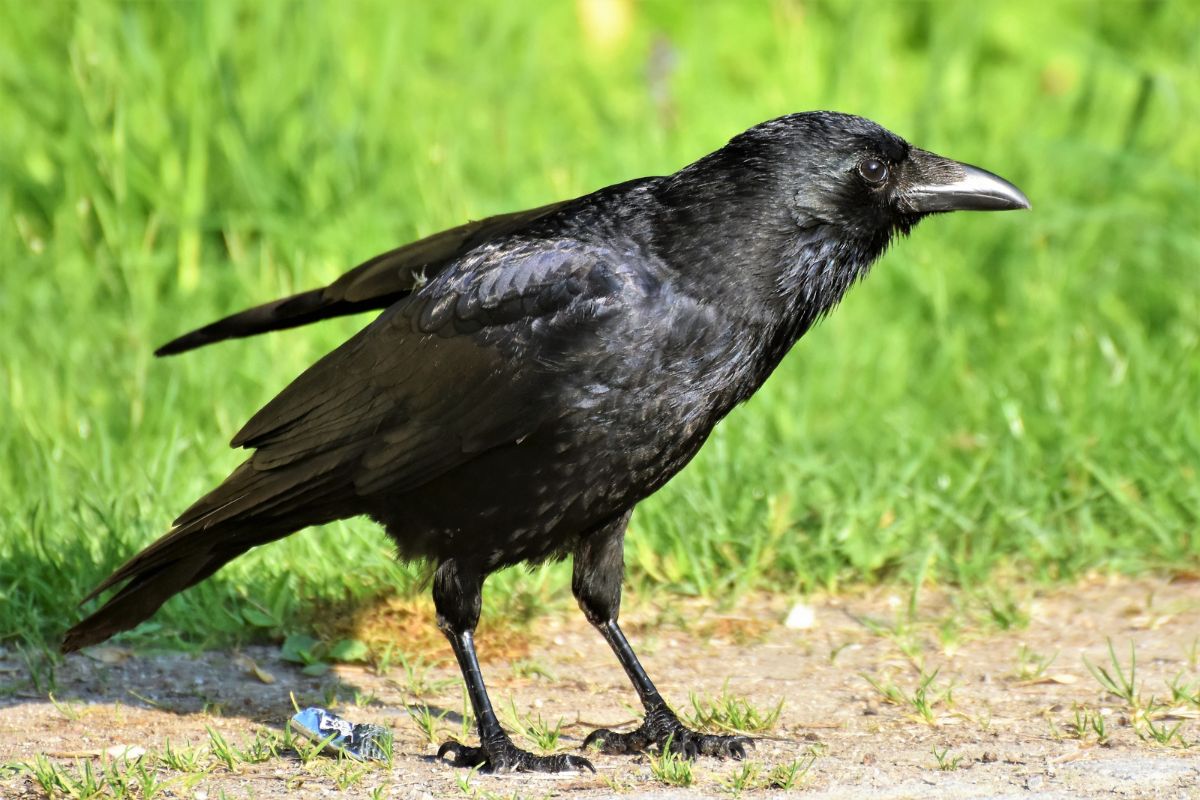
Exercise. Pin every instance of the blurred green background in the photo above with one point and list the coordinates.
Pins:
(1007, 394)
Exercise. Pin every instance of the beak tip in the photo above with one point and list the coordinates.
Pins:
(968, 189)
(1019, 201)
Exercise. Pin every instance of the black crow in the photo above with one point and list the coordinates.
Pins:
(535, 375)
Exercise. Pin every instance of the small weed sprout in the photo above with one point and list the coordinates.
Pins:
(186, 759)
(923, 700)
(786, 776)
(424, 719)
(1161, 733)
(70, 711)
(750, 777)
(1032, 665)
(744, 778)
(671, 768)
(1184, 694)
(82, 782)
(1088, 722)
(535, 729)
(347, 773)
(730, 714)
(1118, 682)
(464, 781)
(946, 762)
(221, 749)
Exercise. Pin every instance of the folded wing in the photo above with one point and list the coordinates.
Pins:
(372, 285)
(439, 378)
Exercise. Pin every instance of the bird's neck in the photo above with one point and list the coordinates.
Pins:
(750, 255)
(771, 275)
(813, 277)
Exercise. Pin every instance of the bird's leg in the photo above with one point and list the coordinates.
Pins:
(599, 571)
(457, 597)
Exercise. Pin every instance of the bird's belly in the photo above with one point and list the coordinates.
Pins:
(532, 500)
(616, 436)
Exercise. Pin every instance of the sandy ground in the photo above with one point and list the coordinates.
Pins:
(1007, 729)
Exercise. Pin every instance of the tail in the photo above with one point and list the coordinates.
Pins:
(290, 312)
(375, 284)
(250, 508)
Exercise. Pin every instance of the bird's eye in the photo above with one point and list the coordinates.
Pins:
(873, 170)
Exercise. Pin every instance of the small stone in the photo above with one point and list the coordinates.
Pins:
(129, 752)
(801, 617)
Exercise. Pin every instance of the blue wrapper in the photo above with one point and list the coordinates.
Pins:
(360, 742)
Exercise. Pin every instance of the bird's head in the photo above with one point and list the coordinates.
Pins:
(851, 174)
(793, 211)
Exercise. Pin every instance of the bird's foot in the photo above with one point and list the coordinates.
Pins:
(663, 730)
(499, 754)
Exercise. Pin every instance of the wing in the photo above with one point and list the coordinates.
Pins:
(464, 365)
(374, 284)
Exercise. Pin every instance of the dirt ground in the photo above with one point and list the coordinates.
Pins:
(1011, 726)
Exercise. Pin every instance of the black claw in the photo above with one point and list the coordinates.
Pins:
(591, 738)
(578, 762)
(462, 755)
(504, 756)
(666, 731)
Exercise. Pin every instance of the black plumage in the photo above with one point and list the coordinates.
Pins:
(533, 376)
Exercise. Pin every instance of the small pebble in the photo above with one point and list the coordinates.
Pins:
(801, 617)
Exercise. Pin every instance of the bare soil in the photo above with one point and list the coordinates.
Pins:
(1007, 729)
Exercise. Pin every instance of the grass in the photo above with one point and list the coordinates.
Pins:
(1150, 719)
(178, 769)
(1009, 392)
(536, 731)
(924, 699)
(671, 767)
(1118, 681)
(945, 761)
(751, 776)
(729, 714)
(1032, 665)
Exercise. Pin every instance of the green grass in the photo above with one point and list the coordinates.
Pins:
(1010, 392)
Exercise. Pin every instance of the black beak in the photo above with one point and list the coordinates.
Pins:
(939, 184)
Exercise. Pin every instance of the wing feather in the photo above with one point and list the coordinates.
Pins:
(435, 379)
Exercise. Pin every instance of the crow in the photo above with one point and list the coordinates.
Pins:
(534, 375)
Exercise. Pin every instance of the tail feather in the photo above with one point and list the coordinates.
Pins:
(249, 508)
(290, 312)
(138, 599)
(375, 284)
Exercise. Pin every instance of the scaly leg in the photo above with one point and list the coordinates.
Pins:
(456, 595)
(599, 571)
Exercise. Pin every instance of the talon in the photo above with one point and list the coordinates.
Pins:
(498, 757)
(668, 735)
(600, 734)
(461, 754)
(580, 763)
